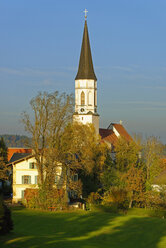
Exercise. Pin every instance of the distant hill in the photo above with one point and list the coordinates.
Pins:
(22, 140)
(15, 140)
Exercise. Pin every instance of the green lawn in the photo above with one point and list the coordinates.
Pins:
(37, 229)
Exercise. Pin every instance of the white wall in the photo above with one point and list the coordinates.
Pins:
(21, 169)
(89, 87)
(85, 119)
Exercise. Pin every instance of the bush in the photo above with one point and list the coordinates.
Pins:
(112, 208)
(6, 224)
(155, 200)
(94, 198)
(116, 198)
(43, 198)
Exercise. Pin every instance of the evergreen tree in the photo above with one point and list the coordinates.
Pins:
(3, 161)
(3, 150)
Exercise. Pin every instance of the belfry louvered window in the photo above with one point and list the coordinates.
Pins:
(82, 98)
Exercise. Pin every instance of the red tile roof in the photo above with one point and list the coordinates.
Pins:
(108, 135)
(122, 131)
(12, 150)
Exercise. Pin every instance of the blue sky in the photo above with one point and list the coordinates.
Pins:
(39, 51)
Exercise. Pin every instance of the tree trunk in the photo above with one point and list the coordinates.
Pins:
(130, 203)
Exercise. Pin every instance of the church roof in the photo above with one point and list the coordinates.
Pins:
(122, 131)
(85, 69)
(108, 135)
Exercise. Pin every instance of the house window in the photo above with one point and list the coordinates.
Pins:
(82, 98)
(36, 179)
(32, 165)
(75, 177)
(26, 179)
(22, 194)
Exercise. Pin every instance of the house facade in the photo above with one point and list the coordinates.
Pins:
(25, 175)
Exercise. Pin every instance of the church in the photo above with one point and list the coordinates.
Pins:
(25, 173)
(86, 96)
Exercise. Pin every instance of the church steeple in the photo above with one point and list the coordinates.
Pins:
(85, 69)
(86, 86)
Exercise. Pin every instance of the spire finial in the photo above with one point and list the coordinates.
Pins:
(85, 11)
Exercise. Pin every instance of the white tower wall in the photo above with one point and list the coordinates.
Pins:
(86, 102)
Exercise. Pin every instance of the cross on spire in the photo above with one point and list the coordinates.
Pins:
(85, 11)
(85, 69)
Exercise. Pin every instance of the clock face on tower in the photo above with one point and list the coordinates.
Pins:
(82, 110)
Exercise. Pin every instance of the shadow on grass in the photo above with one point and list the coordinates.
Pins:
(35, 229)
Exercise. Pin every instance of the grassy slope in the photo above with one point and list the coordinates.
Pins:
(36, 229)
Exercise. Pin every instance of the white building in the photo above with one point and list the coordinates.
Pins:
(86, 96)
(25, 174)
(86, 86)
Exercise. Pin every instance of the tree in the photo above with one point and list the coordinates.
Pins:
(6, 223)
(59, 143)
(152, 154)
(109, 176)
(134, 180)
(3, 161)
(3, 170)
(3, 150)
(128, 174)
(51, 114)
(81, 151)
(127, 154)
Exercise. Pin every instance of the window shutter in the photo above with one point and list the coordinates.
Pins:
(35, 179)
(22, 179)
(22, 193)
(29, 179)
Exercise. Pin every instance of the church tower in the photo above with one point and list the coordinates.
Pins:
(86, 86)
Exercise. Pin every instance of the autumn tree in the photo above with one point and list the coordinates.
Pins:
(134, 180)
(127, 173)
(152, 154)
(59, 143)
(51, 114)
(137, 165)
(81, 150)
(127, 154)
